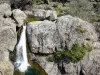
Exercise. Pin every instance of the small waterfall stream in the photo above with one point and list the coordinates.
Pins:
(23, 67)
(21, 57)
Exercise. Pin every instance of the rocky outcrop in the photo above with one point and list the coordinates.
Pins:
(8, 39)
(47, 37)
(41, 36)
(7, 34)
(45, 14)
(19, 16)
(5, 10)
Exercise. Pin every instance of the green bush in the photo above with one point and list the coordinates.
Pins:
(76, 53)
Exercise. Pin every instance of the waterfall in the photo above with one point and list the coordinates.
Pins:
(21, 56)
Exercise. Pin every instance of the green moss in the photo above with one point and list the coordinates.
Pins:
(31, 18)
(76, 53)
(80, 29)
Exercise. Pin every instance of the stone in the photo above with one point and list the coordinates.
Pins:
(41, 41)
(8, 40)
(49, 67)
(39, 13)
(8, 36)
(27, 12)
(5, 9)
(45, 14)
(7, 14)
(53, 16)
(19, 16)
(6, 68)
(45, 36)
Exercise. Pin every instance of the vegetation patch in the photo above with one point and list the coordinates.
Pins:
(38, 1)
(94, 20)
(80, 29)
(75, 54)
(31, 18)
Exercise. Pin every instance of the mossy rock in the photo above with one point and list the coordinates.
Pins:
(31, 18)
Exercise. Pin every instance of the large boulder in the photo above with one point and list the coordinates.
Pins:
(8, 40)
(46, 37)
(19, 16)
(41, 36)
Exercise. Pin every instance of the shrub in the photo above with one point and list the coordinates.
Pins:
(76, 53)
(95, 19)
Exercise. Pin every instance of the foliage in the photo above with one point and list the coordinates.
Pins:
(96, 19)
(31, 18)
(80, 29)
(37, 1)
(76, 53)
(58, 7)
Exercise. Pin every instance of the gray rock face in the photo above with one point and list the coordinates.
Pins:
(8, 40)
(40, 40)
(5, 9)
(45, 36)
(43, 14)
(51, 68)
(7, 34)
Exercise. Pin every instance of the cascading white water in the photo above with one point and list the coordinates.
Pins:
(21, 57)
